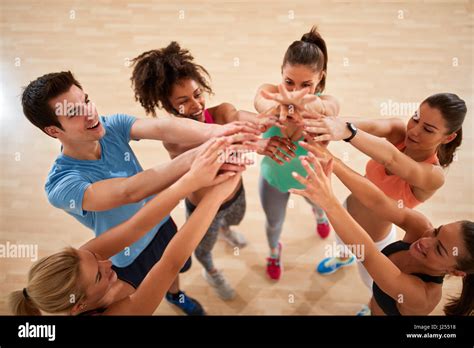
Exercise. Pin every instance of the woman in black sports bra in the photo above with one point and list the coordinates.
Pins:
(407, 274)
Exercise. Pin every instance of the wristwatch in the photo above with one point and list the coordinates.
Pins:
(353, 129)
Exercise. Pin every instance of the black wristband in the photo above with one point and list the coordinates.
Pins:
(353, 129)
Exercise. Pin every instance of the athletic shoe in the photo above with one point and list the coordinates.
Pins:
(274, 265)
(365, 311)
(323, 229)
(332, 264)
(233, 238)
(187, 304)
(220, 285)
(322, 225)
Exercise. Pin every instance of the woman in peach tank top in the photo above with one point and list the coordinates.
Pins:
(394, 186)
(407, 165)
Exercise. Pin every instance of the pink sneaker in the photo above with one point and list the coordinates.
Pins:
(323, 229)
(322, 223)
(274, 265)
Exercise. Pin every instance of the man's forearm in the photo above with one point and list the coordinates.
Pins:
(185, 131)
(156, 179)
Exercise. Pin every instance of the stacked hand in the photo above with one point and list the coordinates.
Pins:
(290, 104)
(317, 183)
(238, 127)
(206, 169)
(277, 148)
(326, 128)
(293, 109)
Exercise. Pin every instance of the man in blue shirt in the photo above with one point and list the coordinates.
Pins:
(97, 178)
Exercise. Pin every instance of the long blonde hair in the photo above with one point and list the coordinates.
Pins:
(53, 285)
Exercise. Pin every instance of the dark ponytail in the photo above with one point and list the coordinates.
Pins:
(446, 151)
(453, 109)
(464, 304)
(311, 50)
(156, 71)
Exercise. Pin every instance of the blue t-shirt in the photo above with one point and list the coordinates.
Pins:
(69, 178)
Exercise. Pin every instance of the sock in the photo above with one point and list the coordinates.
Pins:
(274, 255)
(320, 215)
(322, 220)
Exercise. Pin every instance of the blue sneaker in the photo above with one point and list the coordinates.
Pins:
(332, 264)
(187, 304)
(365, 311)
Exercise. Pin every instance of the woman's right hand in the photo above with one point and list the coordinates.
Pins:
(205, 167)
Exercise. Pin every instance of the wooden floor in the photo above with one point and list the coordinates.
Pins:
(378, 53)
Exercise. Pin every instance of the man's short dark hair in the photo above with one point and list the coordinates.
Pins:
(39, 92)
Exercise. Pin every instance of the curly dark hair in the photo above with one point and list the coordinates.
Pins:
(155, 72)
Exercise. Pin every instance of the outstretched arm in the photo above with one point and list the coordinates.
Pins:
(413, 222)
(184, 131)
(111, 193)
(279, 149)
(393, 129)
(424, 176)
(384, 272)
(117, 238)
(269, 96)
(151, 291)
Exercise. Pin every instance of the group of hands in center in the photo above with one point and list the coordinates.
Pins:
(220, 161)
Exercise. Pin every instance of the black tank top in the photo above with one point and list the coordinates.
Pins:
(385, 302)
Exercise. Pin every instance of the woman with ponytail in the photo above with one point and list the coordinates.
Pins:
(304, 72)
(407, 165)
(407, 274)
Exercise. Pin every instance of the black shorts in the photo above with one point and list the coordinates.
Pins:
(139, 268)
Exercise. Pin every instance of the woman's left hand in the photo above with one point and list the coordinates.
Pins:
(318, 188)
(326, 128)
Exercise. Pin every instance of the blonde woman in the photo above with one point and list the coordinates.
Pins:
(82, 281)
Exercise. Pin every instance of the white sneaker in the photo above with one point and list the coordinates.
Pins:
(233, 238)
(220, 285)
